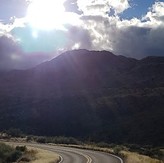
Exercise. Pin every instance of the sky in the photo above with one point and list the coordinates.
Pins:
(34, 31)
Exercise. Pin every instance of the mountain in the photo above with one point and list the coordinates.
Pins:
(94, 95)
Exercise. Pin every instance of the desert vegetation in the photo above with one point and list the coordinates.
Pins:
(23, 154)
(10, 154)
(153, 152)
(130, 153)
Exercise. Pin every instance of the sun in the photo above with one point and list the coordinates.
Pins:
(46, 14)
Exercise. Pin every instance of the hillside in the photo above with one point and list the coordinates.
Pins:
(87, 94)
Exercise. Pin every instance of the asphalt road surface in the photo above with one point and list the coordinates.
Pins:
(74, 155)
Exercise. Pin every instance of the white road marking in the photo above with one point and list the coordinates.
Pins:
(117, 157)
(89, 160)
(61, 158)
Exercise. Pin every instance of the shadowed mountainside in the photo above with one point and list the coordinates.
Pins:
(87, 94)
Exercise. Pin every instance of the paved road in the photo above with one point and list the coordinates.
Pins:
(73, 155)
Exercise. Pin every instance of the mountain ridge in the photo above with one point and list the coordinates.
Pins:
(88, 94)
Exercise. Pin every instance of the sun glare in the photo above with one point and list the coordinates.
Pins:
(45, 14)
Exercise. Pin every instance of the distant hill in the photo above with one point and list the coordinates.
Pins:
(94, 95)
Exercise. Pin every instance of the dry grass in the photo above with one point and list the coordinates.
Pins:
(35, 155)
(46, 156)
(41, 156)
(131, 157)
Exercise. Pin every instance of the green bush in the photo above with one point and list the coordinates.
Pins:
(8, 154)
(146, 150)
(29, 138)
(103, 145)
(41, 140)
(117, 150)
(57, 140)
(21, 148)
(5, 150)
(14, 132)
(13, 156)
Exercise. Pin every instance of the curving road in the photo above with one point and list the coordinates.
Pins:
(74, 155)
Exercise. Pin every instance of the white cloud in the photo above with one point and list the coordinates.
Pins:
(119, 5)
(3, 29)
(102, 7)
(156, 12)
(99, 31)
(134, 37)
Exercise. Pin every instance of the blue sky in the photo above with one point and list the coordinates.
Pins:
(11, 8)
(138, 9)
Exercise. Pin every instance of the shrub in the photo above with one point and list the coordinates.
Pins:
(8, 154)
(14, 132)
(29, 138)
(5, 150)
(41, 140)
(57, 140)
(117, 150)
(13, 156)
(21, 148)
(103, 145)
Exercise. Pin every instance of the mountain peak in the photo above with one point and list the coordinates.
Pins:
(86, 60)
(93, 94)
